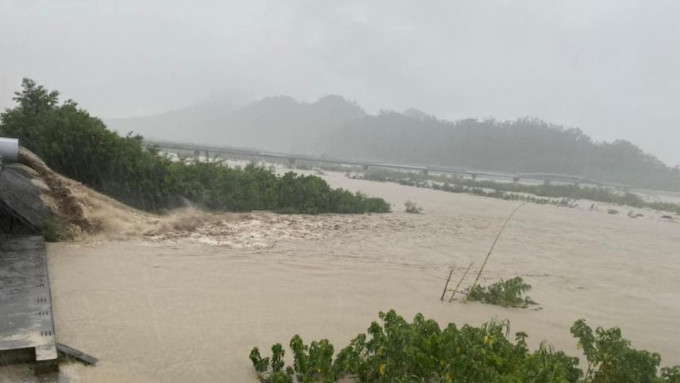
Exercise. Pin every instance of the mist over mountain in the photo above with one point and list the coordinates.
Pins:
(182, 124)
(334, 126)
(522, 146)
(278, 123)
(418, 114)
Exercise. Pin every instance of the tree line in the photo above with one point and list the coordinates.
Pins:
(521, 146)
(79, 146)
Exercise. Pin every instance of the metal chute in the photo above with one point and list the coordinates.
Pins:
(9, 150)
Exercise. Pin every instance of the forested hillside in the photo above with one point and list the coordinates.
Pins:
(522, 146)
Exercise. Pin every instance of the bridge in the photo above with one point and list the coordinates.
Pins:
(291, 158)
(177, 147)
(573, 179)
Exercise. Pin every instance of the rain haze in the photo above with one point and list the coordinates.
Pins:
(274, 191)
(609, 67)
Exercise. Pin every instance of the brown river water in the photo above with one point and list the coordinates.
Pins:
(187, 302)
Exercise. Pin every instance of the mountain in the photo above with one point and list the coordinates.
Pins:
(274, 123)
(180, 125)
(418, 114)
(284, 124)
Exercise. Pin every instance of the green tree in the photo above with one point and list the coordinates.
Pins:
(78, 145)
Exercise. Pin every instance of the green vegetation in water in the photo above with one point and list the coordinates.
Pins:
(80, 146)
(510, 293)
(412, 207)
(450, 185)
(53, 230)
(420, 351)
(559, 195)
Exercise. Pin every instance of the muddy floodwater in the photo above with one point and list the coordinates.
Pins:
(179, 307)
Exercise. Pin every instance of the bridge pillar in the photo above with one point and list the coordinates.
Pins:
(515, 179)
(426, 172)
(291, 162)
(474, 176)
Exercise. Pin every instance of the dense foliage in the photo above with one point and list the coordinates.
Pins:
(522, 146)
(611, 359)
(80, 146)
(420, 351)
(510, 293)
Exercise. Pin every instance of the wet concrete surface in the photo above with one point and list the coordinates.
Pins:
(20, 195)
(26, 321)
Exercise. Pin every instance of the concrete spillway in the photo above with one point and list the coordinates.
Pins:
(26, 322)
(20, 199)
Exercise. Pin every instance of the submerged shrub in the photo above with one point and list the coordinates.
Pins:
(558, 195)
(412, 207)
(510, 293)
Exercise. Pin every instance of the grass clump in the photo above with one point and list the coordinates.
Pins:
(509, 293)
(395, 350)
(412, 207)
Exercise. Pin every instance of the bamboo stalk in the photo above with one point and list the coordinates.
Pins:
(491, 250)
(460, 282)
(447, 284)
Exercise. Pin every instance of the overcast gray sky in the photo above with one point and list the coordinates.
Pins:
(609, 67)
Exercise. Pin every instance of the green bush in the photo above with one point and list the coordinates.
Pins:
(611, 359)
(420, 351)
(80, 146)
(510, 293)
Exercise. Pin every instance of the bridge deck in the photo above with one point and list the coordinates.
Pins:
(249, 152)
(26, 324)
